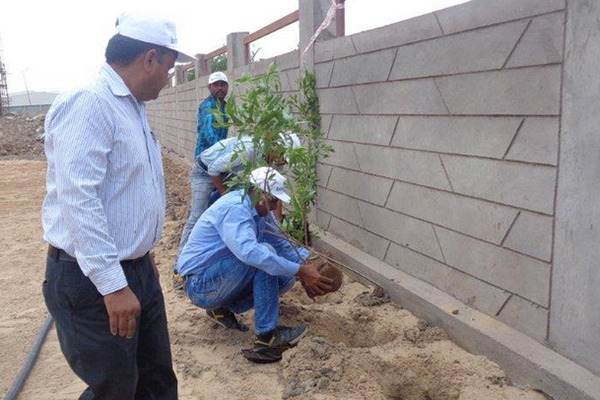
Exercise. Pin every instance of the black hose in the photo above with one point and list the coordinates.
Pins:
(17, 385)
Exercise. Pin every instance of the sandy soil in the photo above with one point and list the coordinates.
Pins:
(360, 346)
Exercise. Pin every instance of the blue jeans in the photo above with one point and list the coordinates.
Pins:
(231, 284)
(202, 186)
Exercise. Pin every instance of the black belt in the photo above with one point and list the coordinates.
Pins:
(61, 255)
(202, 165)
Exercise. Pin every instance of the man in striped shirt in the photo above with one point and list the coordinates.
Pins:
(102, 215)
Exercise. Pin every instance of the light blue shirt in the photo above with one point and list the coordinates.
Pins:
(232, 226)
(218, 158)
(105, 198)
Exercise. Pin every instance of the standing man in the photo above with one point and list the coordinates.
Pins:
(102, 215)
(208, 135)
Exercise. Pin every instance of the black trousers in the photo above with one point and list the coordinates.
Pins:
(113, 367)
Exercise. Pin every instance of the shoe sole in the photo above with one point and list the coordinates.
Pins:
(294, 342)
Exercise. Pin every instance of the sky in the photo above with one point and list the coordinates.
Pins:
(58, 45)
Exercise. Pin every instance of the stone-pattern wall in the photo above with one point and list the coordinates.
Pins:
(445, 129)
(173, 116)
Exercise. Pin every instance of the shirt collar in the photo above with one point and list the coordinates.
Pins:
(114, 80)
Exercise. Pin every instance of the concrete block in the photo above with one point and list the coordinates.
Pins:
(285, 82)
(474, 14)
(364, 68)
(337, 101)
(407, 97)
(537, 142)
(524, 186)
(526, 361)
(360, 238)
(526, 317)
(361, 186)
(529, 91)
(338, 205)
(542, 43)
(405, 165)
(323, 171)
(323, 74)
(479, 50)
(403, 230)
(326, 123)
(334, 48)
(575, 313)
(477, 294)
(477, 218)
(474, 136)
(513, 272)
(363, 129)
(532, 235)
(288, 60)
(293, 76)
(323, 219)
(403, 32)
(343, 155)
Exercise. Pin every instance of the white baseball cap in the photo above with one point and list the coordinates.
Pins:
(217, 76)
(270, 181)
(151, 29)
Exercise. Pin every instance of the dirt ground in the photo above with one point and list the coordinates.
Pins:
(360, 346)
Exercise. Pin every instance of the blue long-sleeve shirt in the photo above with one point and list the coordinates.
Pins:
(208, 134)
(232, 226)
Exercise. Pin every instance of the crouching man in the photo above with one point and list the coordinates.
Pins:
(236, 259)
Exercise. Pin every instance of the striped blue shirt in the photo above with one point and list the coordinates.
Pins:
(105, 198)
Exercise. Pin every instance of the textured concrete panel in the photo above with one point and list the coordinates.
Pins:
(323, 74)
(526, 317)
(363, 129)
(337, 101)
(511, 271)
(287, 60)
(409, 232)
(365, 68)
(403, 32)
(362, 186)
(324, 172)
(542, 44)
(525, 186)
(529, 91)
(360, 238)
(537, 142)
(532, 235)
(477, 218)
(474, 14)
(476, 136)
(575, 312)
(341, 206)
(406, 165)
(326, 123)
(343, 155)
(409, 97)
(479, 50)
(293, 76)
(323, 219)
(334, 48)
(467, 289)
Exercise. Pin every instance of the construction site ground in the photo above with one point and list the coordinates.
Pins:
(360, 346)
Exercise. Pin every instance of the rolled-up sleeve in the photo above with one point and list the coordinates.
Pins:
(82, 136)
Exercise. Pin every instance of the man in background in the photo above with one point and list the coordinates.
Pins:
(104, 212)
(208, 135)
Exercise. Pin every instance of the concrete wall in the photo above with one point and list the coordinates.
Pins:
(449, 130)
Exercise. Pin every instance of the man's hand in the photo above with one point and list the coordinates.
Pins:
(313, 282)
(219, 184)
(123, 308)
